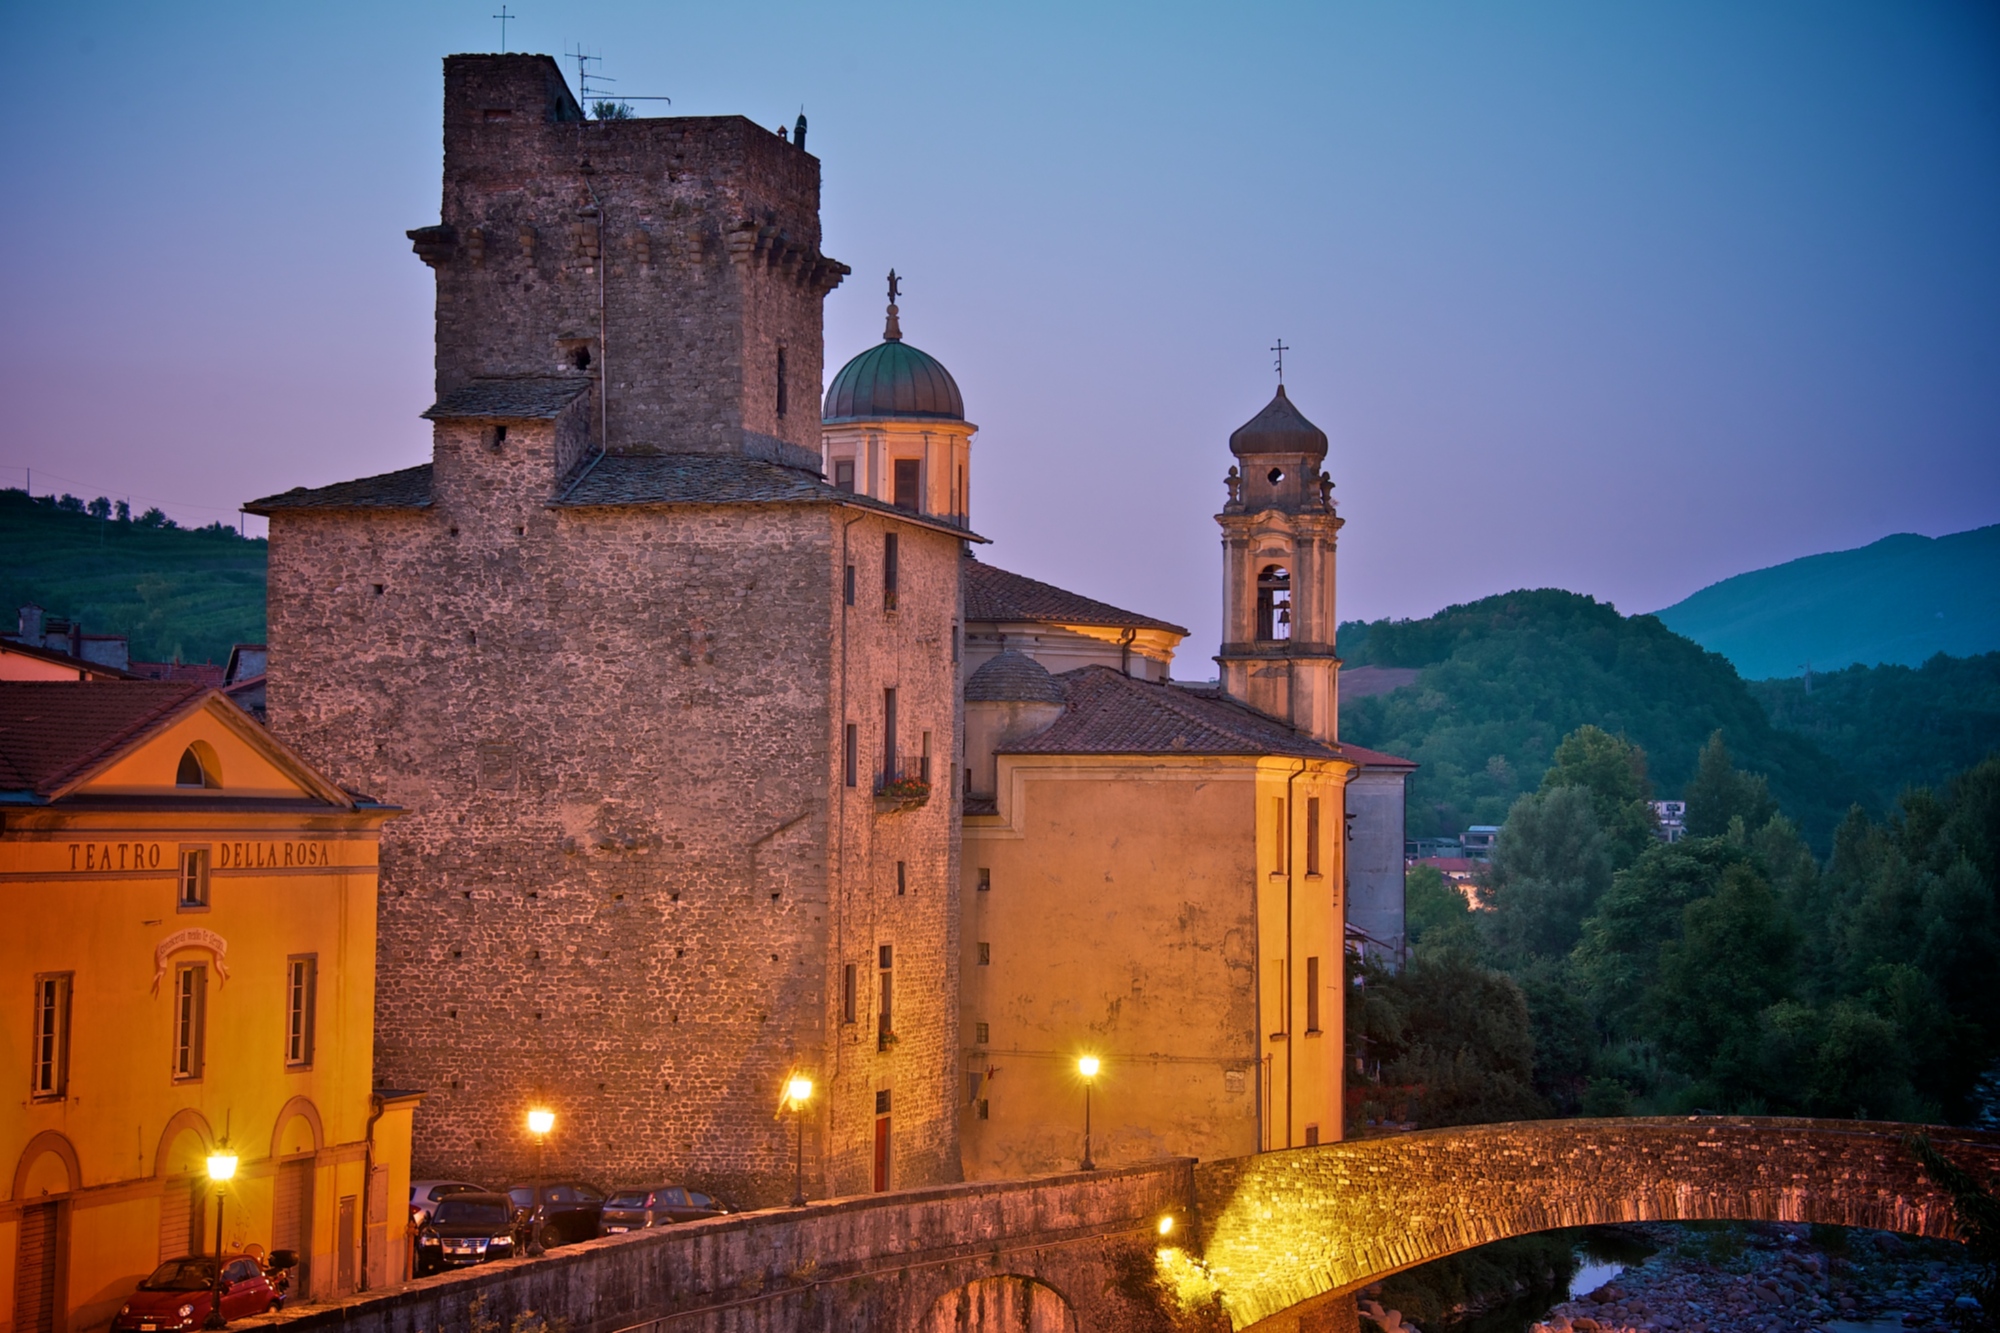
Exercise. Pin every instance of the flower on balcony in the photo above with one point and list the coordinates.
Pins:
(903, 793)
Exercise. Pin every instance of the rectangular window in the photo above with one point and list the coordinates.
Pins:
(301, 1006)
(843, 477)
(886, 1015)
(1312, 835)
(954, 641)
(982, 1033)
(985, 880)
(190, 1020)
(193, 891)
(847, 993)
(906, 483)
(924, 759)
(1312, 1136)
(49, 1061)
(784, 398)
(985, 953)
(1284, 841)
(1312, 996)
(889, 773)
(847, 586)
(902, 879)
(851, 761)
(882, 1102)
(889, 572)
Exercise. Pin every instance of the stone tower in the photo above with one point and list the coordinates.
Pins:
(1278, 536)
(659, 699)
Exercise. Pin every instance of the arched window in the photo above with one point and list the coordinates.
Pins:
(198, 767)
(1274, 603)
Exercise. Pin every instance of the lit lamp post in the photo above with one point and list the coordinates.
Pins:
(221, 1170)
(1088, 1067)
(799, 1091)
(540, 1122)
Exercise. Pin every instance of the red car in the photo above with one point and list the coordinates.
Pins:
(178, 1293)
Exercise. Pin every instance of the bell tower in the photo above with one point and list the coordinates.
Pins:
(1278, 538)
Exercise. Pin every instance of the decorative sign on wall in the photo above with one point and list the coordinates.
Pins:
(194, 937)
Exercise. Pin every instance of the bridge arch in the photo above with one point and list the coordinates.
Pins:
(1288, 1229)
(1002, 1303)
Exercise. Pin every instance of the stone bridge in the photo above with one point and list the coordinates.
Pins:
(1278, 1241)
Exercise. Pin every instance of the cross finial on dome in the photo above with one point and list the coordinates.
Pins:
(1280, 349)
(892, 332)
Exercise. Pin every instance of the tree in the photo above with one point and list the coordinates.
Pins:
(1618, 959)
(1435, 914)
(1733, 960)
(100, 508)
(1721, 792)
(1613, 771)
(1457, 1034)
(1550, 866)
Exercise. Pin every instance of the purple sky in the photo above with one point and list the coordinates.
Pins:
(1623, 299)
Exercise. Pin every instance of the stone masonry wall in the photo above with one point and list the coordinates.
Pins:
(1283, 1229)
(870, 1265)
(615, 732)
(699, 236)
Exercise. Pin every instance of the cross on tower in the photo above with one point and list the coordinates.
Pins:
(503, 16)
(1281, 349)
(895, 286)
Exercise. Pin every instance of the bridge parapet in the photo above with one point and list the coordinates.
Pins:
(1292, 1229)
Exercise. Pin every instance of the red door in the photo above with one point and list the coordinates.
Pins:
(881, 1153)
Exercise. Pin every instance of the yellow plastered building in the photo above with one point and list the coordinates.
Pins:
(188, 966)
(1154, 913)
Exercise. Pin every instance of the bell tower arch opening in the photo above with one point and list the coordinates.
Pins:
(1279, 532)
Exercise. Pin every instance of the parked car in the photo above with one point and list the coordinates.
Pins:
(569, 1210)
(425, 1194)
(656, 1206)
(467, 1227)
(180, 1292)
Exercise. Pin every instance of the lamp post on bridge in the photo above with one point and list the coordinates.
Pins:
(1088, 1067)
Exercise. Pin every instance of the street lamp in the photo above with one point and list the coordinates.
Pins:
(221, 1170)
(799, 1091)
(1088, 1067)
(540, 1122)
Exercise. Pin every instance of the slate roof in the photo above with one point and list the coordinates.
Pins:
(616, 480)
(407, 489)
(1012, 677)
(1279, 429)
(510, 398)
(995, 595)
(52, 731)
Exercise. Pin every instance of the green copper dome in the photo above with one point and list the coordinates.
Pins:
(893, 379)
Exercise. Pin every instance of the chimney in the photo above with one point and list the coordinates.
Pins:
(31, 625)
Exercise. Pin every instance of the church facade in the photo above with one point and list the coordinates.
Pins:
(695, 694)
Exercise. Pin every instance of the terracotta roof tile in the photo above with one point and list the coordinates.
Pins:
(995, 595)
(1012, 677)
(51, 731)
(1375, 758)
(1112, 713)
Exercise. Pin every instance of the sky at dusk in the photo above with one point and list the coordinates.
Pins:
(1617, 298)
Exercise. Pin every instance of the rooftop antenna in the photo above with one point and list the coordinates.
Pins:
(1281, 349)
(584, 76)
(503, 16)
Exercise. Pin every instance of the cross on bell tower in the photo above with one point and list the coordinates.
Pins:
(1279, 531)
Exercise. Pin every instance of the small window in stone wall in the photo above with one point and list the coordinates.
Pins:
(902, 878)
(985, 953)
(847, 587)
(882, 1102)
(784, 397)
(1312, 1136)
(852, 759)
(889, 571)
(848, 996)
(985, 879)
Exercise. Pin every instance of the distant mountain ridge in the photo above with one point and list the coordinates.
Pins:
(1900, 600)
